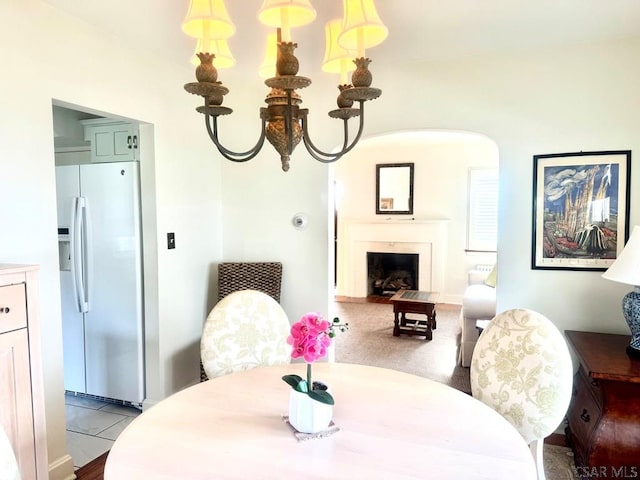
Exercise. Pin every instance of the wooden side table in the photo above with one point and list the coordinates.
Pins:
(414, 301)
(604, 416)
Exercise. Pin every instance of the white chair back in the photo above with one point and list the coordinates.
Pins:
(522, 368)
(244, 330)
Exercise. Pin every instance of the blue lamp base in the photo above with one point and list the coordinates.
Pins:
(631, 311)
(633, 353)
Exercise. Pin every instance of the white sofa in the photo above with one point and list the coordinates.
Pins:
(478, 303)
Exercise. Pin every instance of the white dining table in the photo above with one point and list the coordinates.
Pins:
(391, 425)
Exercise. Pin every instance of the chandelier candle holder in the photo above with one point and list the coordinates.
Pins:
(283, 122)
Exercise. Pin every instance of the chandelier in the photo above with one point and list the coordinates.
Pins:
(283, 122)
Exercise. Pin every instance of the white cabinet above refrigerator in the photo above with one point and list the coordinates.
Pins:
(112, 141)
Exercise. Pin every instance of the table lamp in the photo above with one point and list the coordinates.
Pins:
(626, 269)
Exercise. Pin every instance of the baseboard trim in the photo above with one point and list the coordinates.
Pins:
(62, 469)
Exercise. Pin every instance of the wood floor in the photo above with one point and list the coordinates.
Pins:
(93, 470)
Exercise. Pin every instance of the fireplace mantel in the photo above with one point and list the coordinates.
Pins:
(428, 238)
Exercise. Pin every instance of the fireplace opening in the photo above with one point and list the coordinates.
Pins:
(389, 272)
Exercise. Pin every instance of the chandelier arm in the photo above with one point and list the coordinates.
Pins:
(318, 154)
(228, 154)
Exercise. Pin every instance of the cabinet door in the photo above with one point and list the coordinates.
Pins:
(114, 143)
(16, 414)
(583, 416)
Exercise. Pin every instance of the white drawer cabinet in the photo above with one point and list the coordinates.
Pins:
(21, 390)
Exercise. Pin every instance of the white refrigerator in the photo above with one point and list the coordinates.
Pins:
(101, 279)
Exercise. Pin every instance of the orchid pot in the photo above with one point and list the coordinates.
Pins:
(308, 415)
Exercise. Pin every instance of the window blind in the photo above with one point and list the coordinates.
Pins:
(482, 218)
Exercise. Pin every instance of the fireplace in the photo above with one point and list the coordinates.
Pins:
(427, 239)
(389, 272)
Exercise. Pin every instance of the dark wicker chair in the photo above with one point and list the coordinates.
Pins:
(262, 276)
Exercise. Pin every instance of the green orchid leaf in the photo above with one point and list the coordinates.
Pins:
(321, 396)
(303, 386)
(293, 380)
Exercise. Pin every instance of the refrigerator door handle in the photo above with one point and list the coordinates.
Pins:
(79, 253)
(75, 254)
(88, 255)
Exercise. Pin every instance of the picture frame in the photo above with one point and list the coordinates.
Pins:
(580, 209)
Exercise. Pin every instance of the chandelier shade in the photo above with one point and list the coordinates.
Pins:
(336, 59)
(362, 26)
(207, 19)
(286, 14)
(295, 13)
(268, 67)
(220, 48)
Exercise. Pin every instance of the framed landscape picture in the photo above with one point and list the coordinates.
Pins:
(386, 203)
(580, 209)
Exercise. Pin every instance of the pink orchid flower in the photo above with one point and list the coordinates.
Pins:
(309, 337)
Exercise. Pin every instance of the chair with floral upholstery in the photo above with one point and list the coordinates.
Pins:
(233, 276)
(521, 367)
(245, 329)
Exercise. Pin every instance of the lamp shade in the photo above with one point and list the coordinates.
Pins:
(362, 26)
(208, 19)
(268, 67)
(336, 59)
(626, 268)
(223, 59)
(286, 13)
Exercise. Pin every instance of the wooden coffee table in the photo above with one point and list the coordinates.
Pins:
(414, 301)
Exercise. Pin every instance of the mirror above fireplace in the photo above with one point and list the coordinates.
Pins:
(394, 188)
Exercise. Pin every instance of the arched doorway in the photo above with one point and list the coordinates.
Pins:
(442, 162)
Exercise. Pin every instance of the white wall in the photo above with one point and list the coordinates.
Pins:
(260, 202)
(442, 161)
(57, 57)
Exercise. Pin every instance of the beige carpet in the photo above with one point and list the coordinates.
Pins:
(370, 341)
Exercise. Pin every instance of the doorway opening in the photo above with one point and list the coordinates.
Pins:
(442, 162)
(100, 174)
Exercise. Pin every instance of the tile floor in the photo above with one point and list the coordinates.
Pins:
(93, 426)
